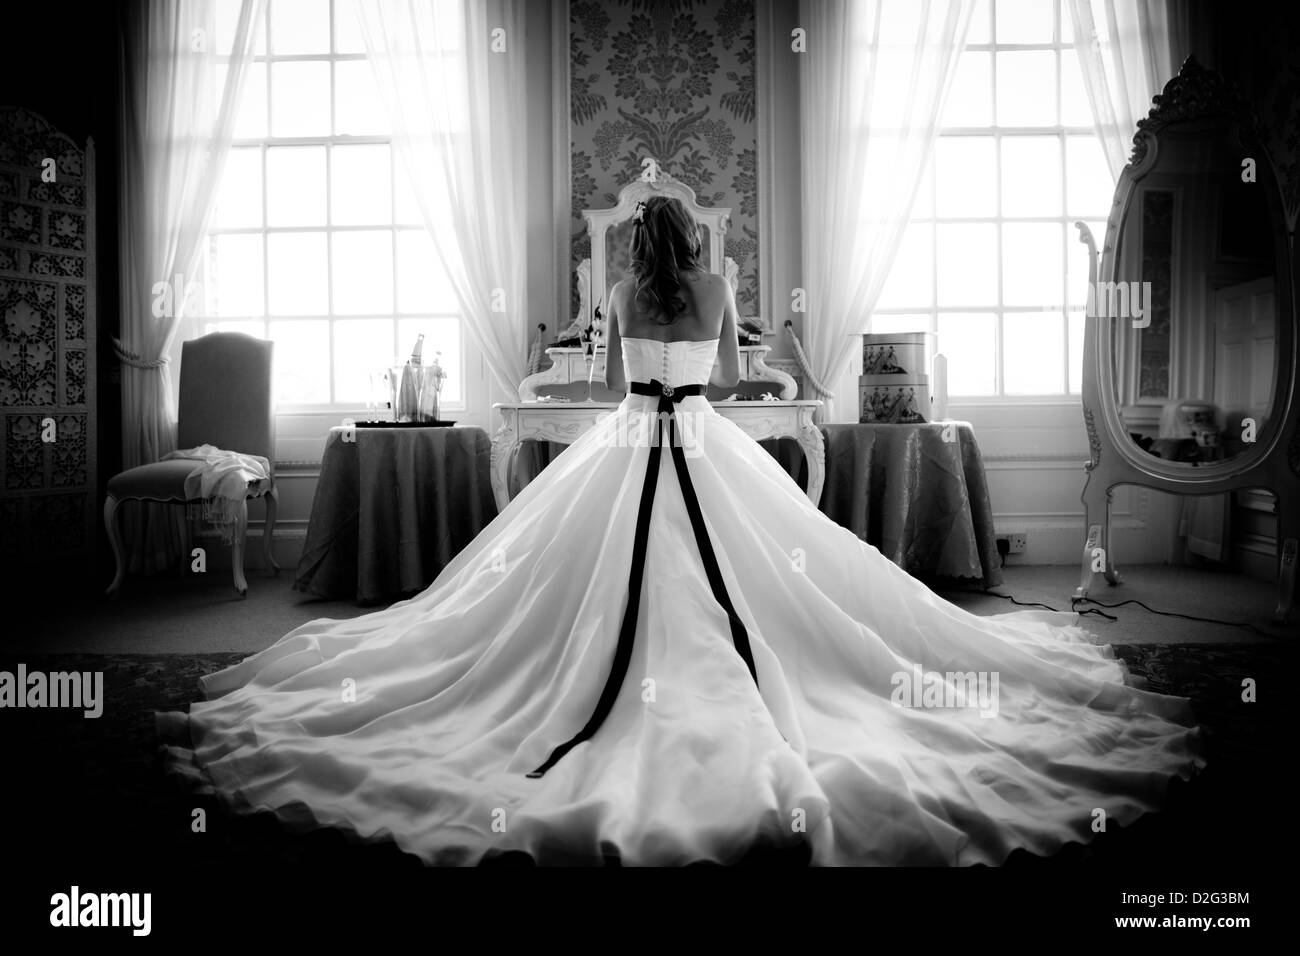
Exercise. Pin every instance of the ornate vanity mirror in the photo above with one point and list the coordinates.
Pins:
(610, 232)
(1189, 376)
(580, 369)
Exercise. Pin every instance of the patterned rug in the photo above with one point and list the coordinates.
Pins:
(107, 771)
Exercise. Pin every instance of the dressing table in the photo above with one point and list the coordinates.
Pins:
(564, 422)
(538, 417)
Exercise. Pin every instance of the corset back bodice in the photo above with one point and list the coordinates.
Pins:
(671, 363)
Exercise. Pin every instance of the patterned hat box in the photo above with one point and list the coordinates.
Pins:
(897, 353)
(898, 399)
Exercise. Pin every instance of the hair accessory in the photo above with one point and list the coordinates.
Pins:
(639, 215)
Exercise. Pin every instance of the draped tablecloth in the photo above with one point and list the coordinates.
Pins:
(917, 493)
(392, 508)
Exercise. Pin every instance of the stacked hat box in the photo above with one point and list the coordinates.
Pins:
(894, 385)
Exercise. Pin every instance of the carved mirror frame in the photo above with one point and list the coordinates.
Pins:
(1273, 461)
(652, 182)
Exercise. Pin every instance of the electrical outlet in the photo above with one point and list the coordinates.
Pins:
(1017, 543)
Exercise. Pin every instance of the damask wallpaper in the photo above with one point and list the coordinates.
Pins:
(672, 79)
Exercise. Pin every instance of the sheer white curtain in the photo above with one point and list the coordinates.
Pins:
(451, 74)
(873, 81)
(179, 92)
(1128, 49)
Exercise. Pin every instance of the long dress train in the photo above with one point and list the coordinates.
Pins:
(880, 724)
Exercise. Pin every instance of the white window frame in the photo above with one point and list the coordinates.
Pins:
(999, 310)
(301, 428)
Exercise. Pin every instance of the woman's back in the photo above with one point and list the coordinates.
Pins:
(705, 296)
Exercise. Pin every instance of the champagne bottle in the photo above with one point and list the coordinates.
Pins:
(408, 398)
(432, 385)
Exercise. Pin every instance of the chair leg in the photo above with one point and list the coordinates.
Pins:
(268, 531)
(237, 548)
(114, 539)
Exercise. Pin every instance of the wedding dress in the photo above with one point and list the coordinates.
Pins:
(781, 682)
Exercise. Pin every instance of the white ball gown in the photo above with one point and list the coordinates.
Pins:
(423, 722)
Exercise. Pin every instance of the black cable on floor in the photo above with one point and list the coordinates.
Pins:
(1186, 617)
(1008, 597)
(1074, 602)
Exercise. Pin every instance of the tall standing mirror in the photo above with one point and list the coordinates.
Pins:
(1194, 349)
(1189, 346)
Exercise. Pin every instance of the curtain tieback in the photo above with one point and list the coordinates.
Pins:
(133, 358)
(799, 355)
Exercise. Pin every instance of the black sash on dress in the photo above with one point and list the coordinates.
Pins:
(668, 398)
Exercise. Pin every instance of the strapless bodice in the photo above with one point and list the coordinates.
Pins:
(672, 363)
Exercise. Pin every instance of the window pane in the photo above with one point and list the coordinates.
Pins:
(347, 28)
(967, 264)
(1024, 21)
(440, 335)
(298, 267)
(300, 99)
(1033, 350)
(970, 97)
(1076, 351)
(923, 205)
(1067, 22)
(967, 341)
(239, 198)
(911, 281)
(235, 275)
(1077, 262)
(890, 323)
(256, 329)
(226, 18)
(1075, 109)
(359, 111)
(300, 26)
(1031, 176)
(1032, 269)
(422, 285)
(1027, 88)
(1089, 188)
(361, 185)
(250, 121)
(302, 361)
(363, 272)
(899, 22)
(894, 84)
(362, 348)
(981, 20)
(295, 186)
(966, 176)
(406, 211)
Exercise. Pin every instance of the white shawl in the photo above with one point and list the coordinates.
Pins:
(222, 480)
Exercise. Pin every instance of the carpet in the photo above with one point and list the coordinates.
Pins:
(94, 788)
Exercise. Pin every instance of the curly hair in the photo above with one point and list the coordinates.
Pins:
(665, 240)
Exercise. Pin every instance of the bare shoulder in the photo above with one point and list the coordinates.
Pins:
(710, 283)
(618, 292)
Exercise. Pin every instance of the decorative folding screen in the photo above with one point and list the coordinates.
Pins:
(47, 340)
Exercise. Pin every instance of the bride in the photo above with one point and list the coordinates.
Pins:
(661, 651)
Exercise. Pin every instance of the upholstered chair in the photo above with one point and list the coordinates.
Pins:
(225, 401)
